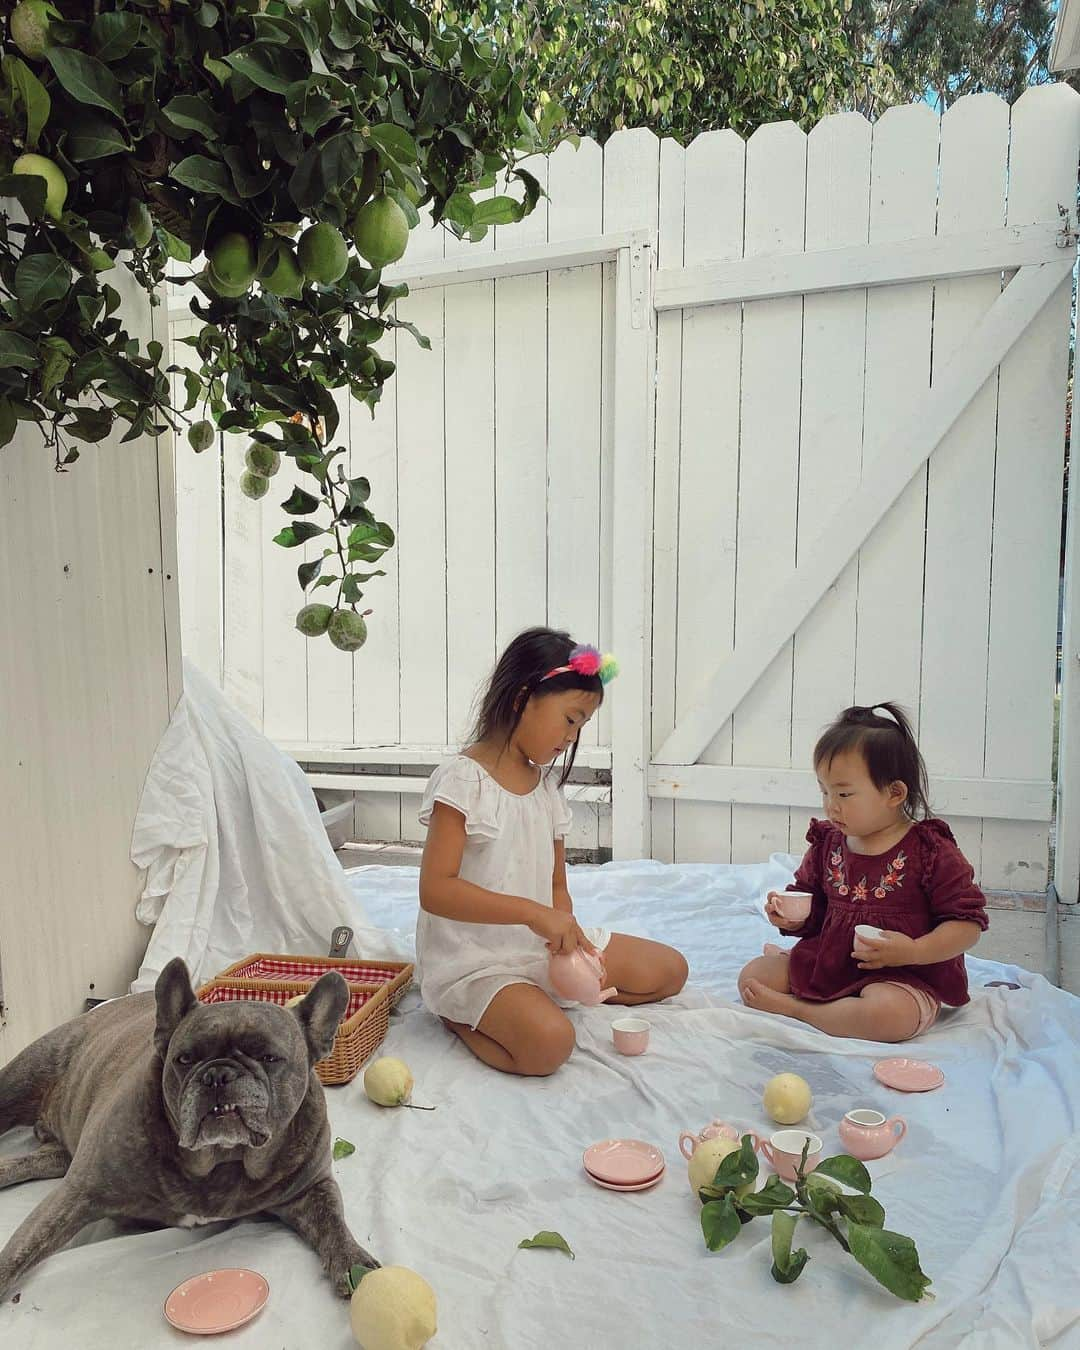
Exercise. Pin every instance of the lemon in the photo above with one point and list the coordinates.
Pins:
(201, 436)
(286, 278)
(232, 260)
(388, 1081)
(323, 253)
(707, 1157)
(254, 485)
(223, 288)
(263, 459)
(292, 1002)
(347, 629)
(380, 230)
(56, 188)
(313, 620)
(393, 1308)
(787, 1098)
(140, 223)
(30, 28)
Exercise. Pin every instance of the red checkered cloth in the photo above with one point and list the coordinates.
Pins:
(286, 968)
(357, 997)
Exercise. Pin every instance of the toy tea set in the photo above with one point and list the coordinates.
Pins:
(635, 1165)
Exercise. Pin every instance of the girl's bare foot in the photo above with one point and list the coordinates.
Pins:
(757, 994)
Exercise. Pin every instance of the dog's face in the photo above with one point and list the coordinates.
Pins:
(235, 1074)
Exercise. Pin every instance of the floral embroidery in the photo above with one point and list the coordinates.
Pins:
(890, 880)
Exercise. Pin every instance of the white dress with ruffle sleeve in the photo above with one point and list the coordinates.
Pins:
(510, 848)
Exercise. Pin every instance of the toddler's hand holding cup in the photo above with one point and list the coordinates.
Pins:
(788, 909)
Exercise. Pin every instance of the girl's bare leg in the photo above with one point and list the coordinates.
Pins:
(522, 1031)
(878, 1013)
(642, 971)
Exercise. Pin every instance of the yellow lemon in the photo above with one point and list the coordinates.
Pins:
(707, 1157)
(787, 1098)
(388, 1081)
(393, 1308)
(56, 188)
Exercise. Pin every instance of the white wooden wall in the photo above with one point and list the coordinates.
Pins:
(493, 457)
(89, 673)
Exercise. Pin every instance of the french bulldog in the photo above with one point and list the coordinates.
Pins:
(162, 1109)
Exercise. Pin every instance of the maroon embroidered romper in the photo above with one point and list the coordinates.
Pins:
(917, 884)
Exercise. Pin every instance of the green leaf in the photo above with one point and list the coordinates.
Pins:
(772, 1196)
(323, 169)
(350, 588)
(91, 424)
(356, 1274)
(54, 369)
(41, 277)
(292, 535)
(86, 79)
(737, 1168)
(394, 142)
(114, 35)
(32, 93)
(307, 572)
(342, 1149)
(720, 1223)
(28, 189)
(16, 350)
(497, 211)
(412, 215)
(175, 248)
(8, 421)
(546, 1239)
(94, 138)
(301, 503)
(194, 113)
(847, 1170)
(193, 387)
(267, 66)
(862, 1209)
(206, 175)
(787, 1265)
(891, 1258)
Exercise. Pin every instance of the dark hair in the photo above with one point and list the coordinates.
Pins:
(888, 748)
(517, 677)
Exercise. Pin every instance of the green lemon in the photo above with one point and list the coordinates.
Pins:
(254, 485)
(232, 260)
(56, 188)
(286, 278)
(323, 253)
(380, 230)
(221, 288)
(30, 28)
(263, 459)
(201, 436)
(347, 629)
(313, 620)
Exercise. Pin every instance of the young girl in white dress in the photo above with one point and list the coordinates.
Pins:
(493, 893)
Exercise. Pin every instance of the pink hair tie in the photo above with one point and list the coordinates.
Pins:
(587, 660)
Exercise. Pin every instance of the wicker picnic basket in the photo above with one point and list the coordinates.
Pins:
(276, 979)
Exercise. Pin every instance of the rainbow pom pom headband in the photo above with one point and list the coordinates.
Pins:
(586, 660)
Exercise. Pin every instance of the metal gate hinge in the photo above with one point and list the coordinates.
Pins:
(1069, 233)
(639, 283)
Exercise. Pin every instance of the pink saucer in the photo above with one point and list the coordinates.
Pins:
(220, 1300)
(639, 1186)
(623, 1162)
(908, 1075)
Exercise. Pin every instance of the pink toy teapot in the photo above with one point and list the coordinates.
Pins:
(579, 975)
(718, 1129)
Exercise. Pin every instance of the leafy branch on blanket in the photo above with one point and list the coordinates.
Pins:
(856, 1222)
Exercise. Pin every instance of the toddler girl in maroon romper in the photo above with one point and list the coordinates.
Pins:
(879, 859)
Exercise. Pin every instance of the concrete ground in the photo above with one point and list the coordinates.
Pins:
(1017, 934)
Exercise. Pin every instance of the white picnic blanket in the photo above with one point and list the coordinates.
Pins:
(987, 1180)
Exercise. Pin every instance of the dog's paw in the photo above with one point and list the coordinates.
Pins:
(339, 1274)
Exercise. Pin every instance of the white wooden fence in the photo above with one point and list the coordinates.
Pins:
(779, 422)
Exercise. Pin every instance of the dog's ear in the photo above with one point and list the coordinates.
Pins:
(321, 1011)
(175, 999)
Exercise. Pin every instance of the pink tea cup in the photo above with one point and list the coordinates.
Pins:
(793, 906)
(784, 1150)
(631, 1035)
(866, 1134)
